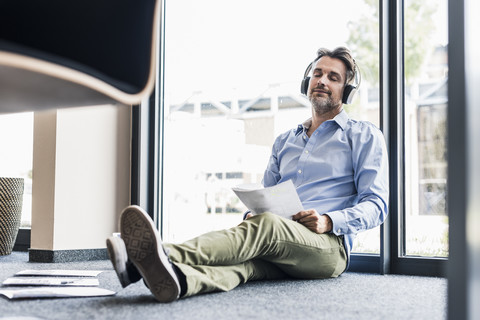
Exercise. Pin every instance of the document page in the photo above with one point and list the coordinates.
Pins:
(60, 273)
(49, 281)
(55, 292)
(281, 199)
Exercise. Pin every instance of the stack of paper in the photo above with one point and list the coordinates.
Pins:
(53, 284)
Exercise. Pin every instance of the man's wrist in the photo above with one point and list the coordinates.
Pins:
(328, 223)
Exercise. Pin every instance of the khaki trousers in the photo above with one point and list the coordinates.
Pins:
(265, 246)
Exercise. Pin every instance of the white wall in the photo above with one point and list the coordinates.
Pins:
(81, 176)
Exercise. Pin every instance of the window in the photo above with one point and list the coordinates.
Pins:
(426, 75)
(232, 84)
(16, 145)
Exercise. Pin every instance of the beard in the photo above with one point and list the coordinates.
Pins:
(323, 105)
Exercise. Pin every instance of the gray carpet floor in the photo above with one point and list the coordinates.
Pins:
(351, 296)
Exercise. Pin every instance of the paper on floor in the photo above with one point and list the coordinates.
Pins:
(50, 281)
(55, 292)
(60, 273)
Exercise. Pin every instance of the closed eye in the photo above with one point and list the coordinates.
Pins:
(334, 78)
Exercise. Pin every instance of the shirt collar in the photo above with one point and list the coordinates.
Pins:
(304, 126)
(341, 119)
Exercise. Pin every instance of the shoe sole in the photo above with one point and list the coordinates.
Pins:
(119, 263)
(146, 252)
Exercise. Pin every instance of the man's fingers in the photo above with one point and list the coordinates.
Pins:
(308, 220)
(303, 214)
(308, 215)
(312, 226)
(315, 222)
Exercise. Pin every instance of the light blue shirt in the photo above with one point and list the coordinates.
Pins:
(340, 171)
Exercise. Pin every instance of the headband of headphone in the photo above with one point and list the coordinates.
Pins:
(349, 90)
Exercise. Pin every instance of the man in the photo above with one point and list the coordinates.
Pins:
(339, 168)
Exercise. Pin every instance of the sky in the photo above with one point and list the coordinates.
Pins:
(218, 44)
(215, 45)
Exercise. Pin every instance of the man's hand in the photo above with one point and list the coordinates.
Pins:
(248, 216)
(314, 221)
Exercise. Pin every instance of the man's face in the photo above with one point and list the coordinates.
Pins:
(326, 84)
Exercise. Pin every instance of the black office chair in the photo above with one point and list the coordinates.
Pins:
(57, 53)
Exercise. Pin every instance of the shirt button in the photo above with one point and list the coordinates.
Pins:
(338, 230)
(304, 137)
(306, 151)
(299, 171)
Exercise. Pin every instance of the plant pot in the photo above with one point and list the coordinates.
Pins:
(11, 199)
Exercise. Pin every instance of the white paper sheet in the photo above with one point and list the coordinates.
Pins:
(59, 273)
(50, 281)
(281, 199)
(55, 292)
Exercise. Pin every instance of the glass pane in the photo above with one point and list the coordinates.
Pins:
(363, 40)
(232, 84)
(16, 148)
(426, 75)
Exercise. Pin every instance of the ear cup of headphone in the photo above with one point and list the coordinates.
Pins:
(349, 93)
(304, 87)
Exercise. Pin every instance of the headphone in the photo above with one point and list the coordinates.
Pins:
(349, 90)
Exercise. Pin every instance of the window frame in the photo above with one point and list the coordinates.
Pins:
(392, 93)
(147, 146)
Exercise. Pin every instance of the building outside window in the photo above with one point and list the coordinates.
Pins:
(426, 76)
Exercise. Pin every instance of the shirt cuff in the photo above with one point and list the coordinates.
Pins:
(339, 226)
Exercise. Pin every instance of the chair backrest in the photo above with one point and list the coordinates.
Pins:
(56, 53)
